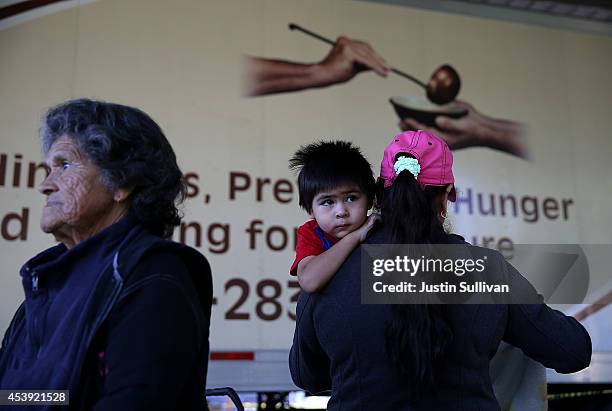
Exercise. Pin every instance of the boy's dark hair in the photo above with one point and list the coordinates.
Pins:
(328, 164)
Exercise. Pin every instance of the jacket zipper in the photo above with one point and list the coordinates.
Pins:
(34, 323)
(34, 281)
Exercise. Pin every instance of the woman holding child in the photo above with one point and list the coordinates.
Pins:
(409, 356)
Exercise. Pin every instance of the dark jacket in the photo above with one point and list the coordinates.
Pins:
(141, 339)
(339, 346)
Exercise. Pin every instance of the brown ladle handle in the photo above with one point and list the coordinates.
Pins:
(293, 26)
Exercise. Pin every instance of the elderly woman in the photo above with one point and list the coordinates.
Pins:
(115, 313)
(420, 356)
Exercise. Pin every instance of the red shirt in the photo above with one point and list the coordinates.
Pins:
(311, 240)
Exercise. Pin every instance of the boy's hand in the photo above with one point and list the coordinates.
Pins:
(367, 226)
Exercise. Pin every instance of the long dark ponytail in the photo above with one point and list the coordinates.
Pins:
(417, 336)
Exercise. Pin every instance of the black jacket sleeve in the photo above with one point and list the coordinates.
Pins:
(308, 363)
(156, 348)
(546, 335)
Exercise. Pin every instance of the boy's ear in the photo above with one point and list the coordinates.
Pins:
(370, 202)
(378, 192)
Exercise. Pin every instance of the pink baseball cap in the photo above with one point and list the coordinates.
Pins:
(432, 153)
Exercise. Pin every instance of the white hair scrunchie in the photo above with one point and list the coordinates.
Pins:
(407, 163)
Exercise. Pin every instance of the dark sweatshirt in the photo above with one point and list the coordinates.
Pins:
(121, 321)
(339, 345)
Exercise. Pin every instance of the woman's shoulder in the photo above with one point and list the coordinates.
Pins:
(166, 255)
(150, 256)
(164, 264)
(474, 249)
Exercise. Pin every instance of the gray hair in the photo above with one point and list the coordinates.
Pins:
(131, 151)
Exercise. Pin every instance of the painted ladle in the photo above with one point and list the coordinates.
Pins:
(442, 87)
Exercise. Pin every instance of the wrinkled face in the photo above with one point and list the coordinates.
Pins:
(77, 201)
(341, 210)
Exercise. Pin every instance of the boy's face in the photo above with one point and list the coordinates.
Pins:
(340, 210)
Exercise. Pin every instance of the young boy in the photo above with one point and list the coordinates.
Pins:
(336, 187)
